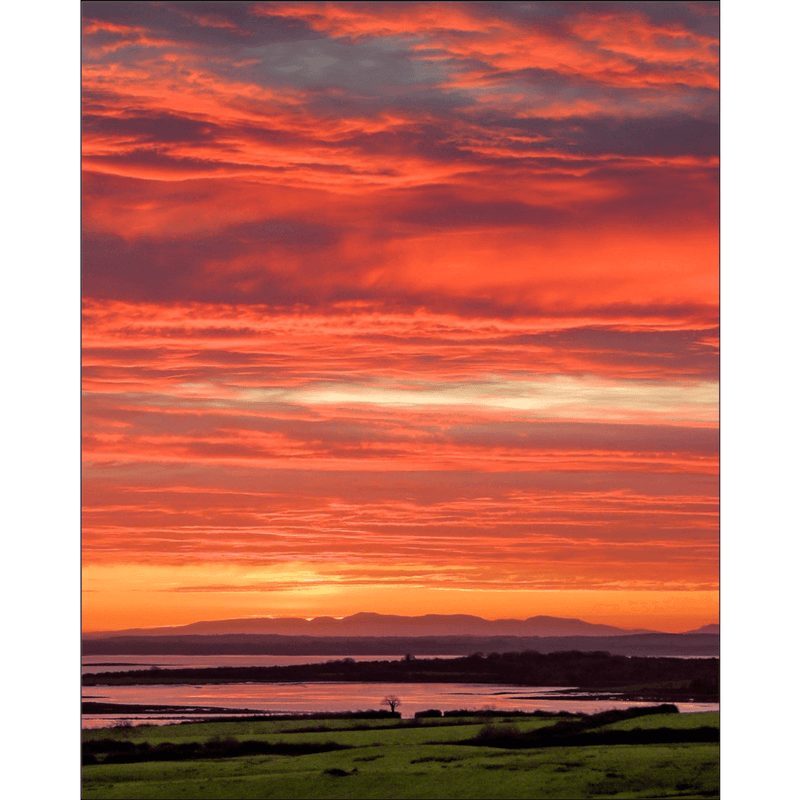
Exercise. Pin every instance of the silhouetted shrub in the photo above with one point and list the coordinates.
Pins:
(128, 753)
(554, 714)
(437, 759)
(217, 743)
(618, 714)
(705, 686)
(431, 712)
(124, 727)
(339, 773)
(492, 732)
(108, 746)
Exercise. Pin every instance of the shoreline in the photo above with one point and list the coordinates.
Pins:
(597, 675)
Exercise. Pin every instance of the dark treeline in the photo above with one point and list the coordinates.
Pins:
(667, 678)
(648, 644)
(583, 731)
(95, 707)
(124, 752)
(570, 730)
(546, 737)
(233, 714)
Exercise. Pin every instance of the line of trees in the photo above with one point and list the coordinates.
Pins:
(698, 678)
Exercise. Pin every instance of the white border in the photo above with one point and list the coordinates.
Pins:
(41, 397)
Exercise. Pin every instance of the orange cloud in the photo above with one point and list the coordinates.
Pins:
(607, 48)
(417, 298)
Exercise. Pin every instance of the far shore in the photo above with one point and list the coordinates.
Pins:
(599, 673)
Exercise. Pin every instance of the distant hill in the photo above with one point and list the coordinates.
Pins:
(368, 624)
(714, 628)
(647, 644)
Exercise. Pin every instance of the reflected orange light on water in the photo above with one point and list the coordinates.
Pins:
(332, 697)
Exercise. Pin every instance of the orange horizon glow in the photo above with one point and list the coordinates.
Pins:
(145, 596)
(400, 305)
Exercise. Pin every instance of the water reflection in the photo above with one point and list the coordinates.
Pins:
(295, 698)
(133, 663)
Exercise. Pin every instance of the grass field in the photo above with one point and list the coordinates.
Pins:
(408, 760)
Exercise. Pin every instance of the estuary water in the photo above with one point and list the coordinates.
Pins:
(304, 698)
(134, 663)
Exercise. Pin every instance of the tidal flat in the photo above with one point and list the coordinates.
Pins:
(653, 752)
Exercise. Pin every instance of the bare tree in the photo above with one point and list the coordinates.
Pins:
(391, 700)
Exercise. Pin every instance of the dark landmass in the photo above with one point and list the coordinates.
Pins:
(663, 679)
(237, 714)
(706, 629)
(94, 707)
(383, 625)
(648, 644)
(117, 752)
(582, 731)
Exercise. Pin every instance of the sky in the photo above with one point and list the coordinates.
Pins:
(400, 307)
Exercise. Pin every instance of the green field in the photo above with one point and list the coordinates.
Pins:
(409, 760)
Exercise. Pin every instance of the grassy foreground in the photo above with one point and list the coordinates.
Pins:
(402, 759)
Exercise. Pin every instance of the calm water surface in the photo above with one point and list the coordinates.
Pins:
(295, 698)
(133, 663)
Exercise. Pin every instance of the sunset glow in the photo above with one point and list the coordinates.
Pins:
(400, 307)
